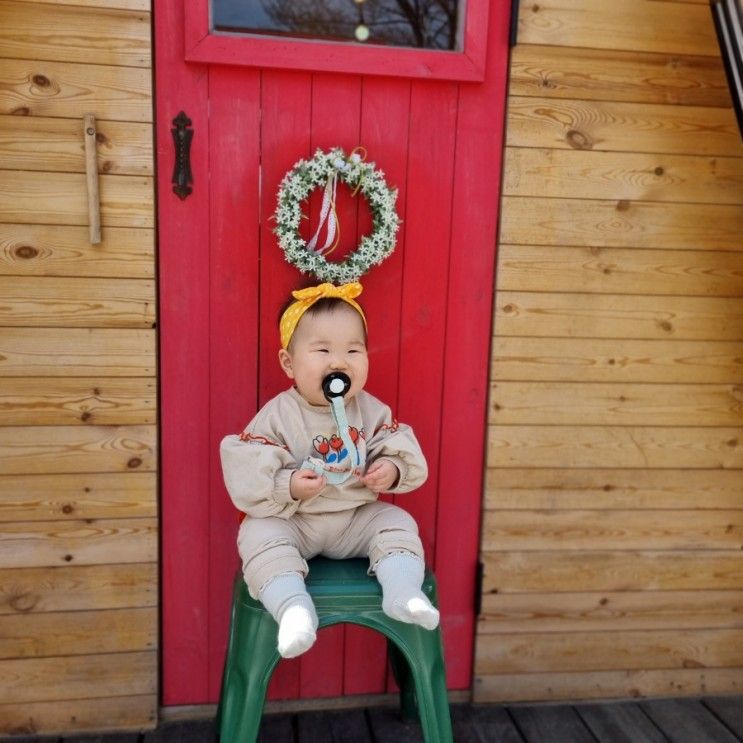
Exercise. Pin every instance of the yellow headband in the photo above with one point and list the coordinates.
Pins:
(307, 297)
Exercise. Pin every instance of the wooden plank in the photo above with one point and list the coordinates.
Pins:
(619, 530)
(603, 360)
(26, 680)
(550, 723)
(612, 488)
(729, 710)
(77, 302)
(618, 316)
(609, 611)
(687, 722)
(61, 198)
(652, 570)
(619, 723)
(69, 90)
(620, 446)
(622, 127)
(65, 33)
(539, 171)
(122, 4)
(72, 352)
(55, 145)
(60, 449)
(606, 651)
(620, 270)
(49, 401)
(276, 727)
(62, 250)
(77, 632)
(79, 588)
(604, 684)
(620, 224)
(78, 496)
(491, 723)
(614, 75)
(94, 715)
(91, 542)
(387, 725)
(633, 25)
(565, 403)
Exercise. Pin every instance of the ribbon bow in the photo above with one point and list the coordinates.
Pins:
(305, 298)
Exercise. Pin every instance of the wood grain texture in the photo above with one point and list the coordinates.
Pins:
(634, 25)
(78, 496)
(552, 489)
(55, 145)
(66, 33)
(605, 570)
(44, 250)
(77, 302)
(578, 125)
(78, 632)
(618, 316)
(121, 4)
(89, 542)
(615, 446)
(573, 403)
(50, 401)
(25, 591)
(607, 651)
(606, 684)
(83, 352)
(539, 268)
(114, 713)
(547, 172)
(70, 90)
(616, 75)
(62, 449)
(607, 360)
(567, 530)
(610, 611)
(66, 677)
(126, 201)
(620, 223)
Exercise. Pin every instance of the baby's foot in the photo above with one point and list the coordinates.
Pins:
(416, 609)
(297, 630)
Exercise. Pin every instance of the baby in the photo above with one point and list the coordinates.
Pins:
(280, 471)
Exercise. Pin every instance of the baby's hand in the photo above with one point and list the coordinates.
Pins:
(305, 484)
(381, 476)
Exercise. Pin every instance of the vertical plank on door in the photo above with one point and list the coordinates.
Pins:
(233, 317)
(184, 363)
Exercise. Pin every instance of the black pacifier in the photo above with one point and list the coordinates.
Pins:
(336, 384)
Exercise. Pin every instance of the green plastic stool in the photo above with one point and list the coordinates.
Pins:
(342, 592)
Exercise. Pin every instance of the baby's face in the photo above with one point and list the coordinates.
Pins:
(332, 341)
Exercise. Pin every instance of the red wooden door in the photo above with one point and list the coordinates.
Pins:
(223, 279)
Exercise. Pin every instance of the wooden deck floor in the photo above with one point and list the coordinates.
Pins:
(707, 720)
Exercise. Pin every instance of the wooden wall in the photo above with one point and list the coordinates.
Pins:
(614, 504)
(78, 504)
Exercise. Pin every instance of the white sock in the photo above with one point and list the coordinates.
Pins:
(287, 601)
(401, 578)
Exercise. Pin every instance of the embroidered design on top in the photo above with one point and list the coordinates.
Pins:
(384, 427)
(331, 448)
(251, 439)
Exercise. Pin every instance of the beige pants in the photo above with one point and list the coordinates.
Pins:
(271, 546)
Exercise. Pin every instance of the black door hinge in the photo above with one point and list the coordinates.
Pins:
(513, 36)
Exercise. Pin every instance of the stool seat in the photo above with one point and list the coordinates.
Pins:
(342, 591)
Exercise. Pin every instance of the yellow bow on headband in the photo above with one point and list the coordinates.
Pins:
(305, 298)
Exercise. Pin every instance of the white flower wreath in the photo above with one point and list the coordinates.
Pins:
(321, 170)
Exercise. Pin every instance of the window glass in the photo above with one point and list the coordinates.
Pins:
(425, 24)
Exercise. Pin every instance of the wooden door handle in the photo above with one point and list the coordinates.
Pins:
(91, 178)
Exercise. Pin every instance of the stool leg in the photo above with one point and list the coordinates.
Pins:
(401, 672)
(423, 651)
(251, 659)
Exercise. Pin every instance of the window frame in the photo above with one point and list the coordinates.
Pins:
(204, 44)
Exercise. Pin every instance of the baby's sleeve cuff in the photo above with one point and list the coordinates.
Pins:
(281, 492)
